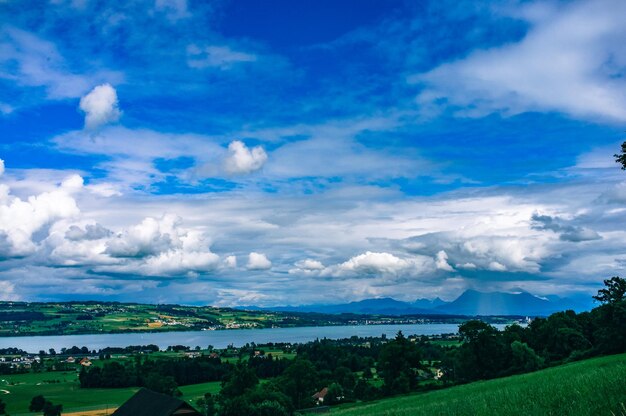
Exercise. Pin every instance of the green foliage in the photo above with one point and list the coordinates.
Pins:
(269, 408)
(207, 405)
(166, 385)
(50, 409)
(398, 362)
(3, 407)
(241, 379)
(614, 292)
(299, 382)
(590, 387)
(525, 359)
(334, 395)
(621, 157)
(37, 403)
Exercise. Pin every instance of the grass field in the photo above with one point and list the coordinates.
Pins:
(591, 387)
(65, 390)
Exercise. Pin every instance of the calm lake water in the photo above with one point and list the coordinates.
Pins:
(221, 339)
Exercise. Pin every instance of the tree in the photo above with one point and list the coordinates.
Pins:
(50, 409)
(524, 358)
(241, 379)
(207, 404)
(334, 395)
(621, 158)
(299, 382)
(162, 384)
(614, 291)
(3, 407)
(398, 361)
(37, 403)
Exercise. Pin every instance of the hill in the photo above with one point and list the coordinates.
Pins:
(469, 303)
(590, 387)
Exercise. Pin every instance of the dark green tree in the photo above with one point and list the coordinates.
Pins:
(3, 407)
(334, 395)
(37, 403)
(269, 408)
(241, 379)
(398, 362)
(50, 409)
(615, 291)
(162, 384)
(621, 157)
(299, 382)
(525, 359)
(207, 405)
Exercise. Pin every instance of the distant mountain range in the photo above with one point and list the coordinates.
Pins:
(471, 303)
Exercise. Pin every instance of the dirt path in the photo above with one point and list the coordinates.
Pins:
(101, 412)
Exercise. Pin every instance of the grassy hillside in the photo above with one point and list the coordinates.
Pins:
(591, 387)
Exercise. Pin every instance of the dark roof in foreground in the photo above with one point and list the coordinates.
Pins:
(148, 403)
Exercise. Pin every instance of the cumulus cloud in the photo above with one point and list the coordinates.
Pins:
(258, 261)
(572, 60)
(100, 106)
(442, 261)
(1, 167)
(177, 262)
(381, 264)
(242, 160)
(154, 247)
(21, 219)
(222, 57)
(309, 264)
(230, 262)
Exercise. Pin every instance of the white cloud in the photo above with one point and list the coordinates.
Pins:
(309, 264)
(176, 262)
(72, 183)
(230, 262)
(152, 236)
(258, 261)
(442, 261)
(100, 106)
(572, 60)
(497, 267)
(31, 61)
(1, 167)
(242, 160)
(383, 264)
(222, 57)
(20, 219)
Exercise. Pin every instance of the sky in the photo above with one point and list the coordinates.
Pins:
(278, 152)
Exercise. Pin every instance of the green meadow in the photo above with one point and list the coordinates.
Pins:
(63, 388)
(592, 387)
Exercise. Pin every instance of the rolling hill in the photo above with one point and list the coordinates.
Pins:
(590, 387)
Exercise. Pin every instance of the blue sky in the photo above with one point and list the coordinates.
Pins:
(281, 152)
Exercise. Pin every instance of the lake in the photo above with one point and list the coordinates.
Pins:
(223, 338)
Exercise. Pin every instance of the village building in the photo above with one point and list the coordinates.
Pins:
(320, 395)
(148, 403)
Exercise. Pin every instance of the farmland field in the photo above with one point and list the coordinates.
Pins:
(592, 387)
(63, 388)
